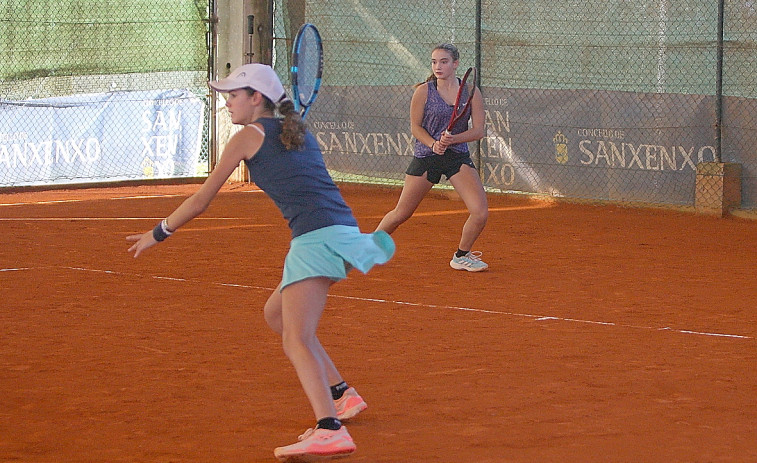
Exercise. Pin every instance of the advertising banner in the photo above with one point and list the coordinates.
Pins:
(100, 137)
(589, 144)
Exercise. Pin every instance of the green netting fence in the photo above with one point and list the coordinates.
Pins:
(101, 91)
(600, 100)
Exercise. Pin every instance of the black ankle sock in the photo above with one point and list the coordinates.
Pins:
(337, 390)
(461, 253)
(329, 423)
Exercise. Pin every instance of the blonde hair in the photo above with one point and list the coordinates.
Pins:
(449, 48)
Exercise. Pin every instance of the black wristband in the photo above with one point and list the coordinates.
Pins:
(158, 234)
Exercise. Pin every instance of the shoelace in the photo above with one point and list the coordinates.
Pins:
(306, 434)
(474, 255)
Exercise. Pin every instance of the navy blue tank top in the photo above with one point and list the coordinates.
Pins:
(298, 183)
(436, 116)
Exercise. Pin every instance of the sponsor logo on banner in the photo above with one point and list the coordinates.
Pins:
(497, 147)
(613, 148)
(343, 137)
(104, 136)
(561, 147)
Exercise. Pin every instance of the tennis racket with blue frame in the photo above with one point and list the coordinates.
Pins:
(307, 67)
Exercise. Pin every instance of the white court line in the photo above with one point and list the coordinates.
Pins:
(57, 201)
(406, 303)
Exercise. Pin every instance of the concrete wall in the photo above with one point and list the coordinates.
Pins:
(237, 47)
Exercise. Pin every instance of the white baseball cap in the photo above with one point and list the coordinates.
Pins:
(259, 77)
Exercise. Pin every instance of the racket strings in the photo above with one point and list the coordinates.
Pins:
(308, 63)
(307, 66)
(468, 87)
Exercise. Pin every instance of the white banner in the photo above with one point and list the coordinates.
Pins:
(100, 137)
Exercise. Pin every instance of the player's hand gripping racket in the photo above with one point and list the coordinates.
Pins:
(307, 67)
(464, 98)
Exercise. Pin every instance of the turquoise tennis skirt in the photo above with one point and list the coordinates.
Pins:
(332, 251)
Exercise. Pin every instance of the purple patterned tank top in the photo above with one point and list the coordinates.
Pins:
(436, 116)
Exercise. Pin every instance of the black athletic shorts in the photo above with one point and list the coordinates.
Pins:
(447, 164)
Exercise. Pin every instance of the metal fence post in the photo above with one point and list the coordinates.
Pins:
(478, 76)
(719, 85)
(212, 53)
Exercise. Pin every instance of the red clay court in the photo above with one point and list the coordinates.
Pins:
(599, 334)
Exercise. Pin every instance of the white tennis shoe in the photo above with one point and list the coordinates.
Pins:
(471, 262)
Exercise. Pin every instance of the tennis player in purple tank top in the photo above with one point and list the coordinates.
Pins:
(440, 153)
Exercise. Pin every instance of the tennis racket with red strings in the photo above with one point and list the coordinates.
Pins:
(463, 99)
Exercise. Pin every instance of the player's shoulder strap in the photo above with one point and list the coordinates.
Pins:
(257, 128)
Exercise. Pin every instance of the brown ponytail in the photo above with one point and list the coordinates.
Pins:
(293, 127)
(430, 78)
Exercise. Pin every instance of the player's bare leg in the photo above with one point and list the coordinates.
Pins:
(413, 192)
(468, 185)
(272, 313)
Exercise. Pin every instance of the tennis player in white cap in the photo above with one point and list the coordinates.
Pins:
(285, 161)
